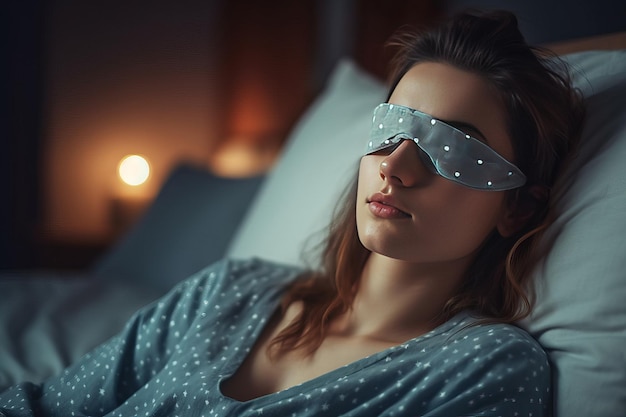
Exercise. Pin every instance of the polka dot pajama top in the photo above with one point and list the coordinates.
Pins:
(173, 354)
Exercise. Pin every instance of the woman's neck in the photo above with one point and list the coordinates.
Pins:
(397, 300)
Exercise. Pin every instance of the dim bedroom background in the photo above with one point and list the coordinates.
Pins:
(49, 318)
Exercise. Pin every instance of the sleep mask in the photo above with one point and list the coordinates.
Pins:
(451, 153)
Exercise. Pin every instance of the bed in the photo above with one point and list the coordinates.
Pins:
(48, 320)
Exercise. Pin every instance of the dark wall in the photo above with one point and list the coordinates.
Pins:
(124, 48)
(544, 21)
(20, 127)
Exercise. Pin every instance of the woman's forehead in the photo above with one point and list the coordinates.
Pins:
(458, 97)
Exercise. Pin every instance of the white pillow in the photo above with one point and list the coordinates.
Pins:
(297, 199)
(580, 316)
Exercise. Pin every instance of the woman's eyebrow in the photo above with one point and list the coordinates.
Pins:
(468, 128)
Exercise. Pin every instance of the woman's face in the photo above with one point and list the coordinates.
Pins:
(404, 210)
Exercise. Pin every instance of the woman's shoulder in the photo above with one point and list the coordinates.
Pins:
(470, 367)
(241, 274)
(226, 284)
(470, 342)
(480, 335)
(252, 269)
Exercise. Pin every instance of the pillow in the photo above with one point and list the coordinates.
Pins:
(188, 226)
(580, 315)
(320, 159)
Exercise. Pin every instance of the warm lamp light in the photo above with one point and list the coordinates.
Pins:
(134, 170)
(128, 203)
(241, 158)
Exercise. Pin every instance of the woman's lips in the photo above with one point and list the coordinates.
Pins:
(383, 207)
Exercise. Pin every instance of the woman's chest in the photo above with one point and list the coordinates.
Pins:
(261, 374)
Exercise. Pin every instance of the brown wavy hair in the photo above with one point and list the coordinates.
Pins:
(544, 121)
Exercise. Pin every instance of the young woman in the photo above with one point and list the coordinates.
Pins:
(425, 267)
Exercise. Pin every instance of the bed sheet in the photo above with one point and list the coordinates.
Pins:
(48, 320)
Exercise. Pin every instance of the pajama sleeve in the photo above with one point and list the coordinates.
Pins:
(113, 372)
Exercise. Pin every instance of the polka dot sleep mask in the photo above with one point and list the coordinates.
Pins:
(452, 154)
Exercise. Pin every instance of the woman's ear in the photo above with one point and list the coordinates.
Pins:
(525, 204)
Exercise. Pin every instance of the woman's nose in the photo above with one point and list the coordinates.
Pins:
(404, 165)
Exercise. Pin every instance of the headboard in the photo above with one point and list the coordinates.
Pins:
(602, 42)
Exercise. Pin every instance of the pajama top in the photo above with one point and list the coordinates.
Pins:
(173, 354)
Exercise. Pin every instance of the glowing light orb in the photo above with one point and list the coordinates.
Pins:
(134, 170)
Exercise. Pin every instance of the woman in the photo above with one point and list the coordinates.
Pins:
(425, 267)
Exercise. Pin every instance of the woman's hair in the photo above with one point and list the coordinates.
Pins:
(544, 120)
